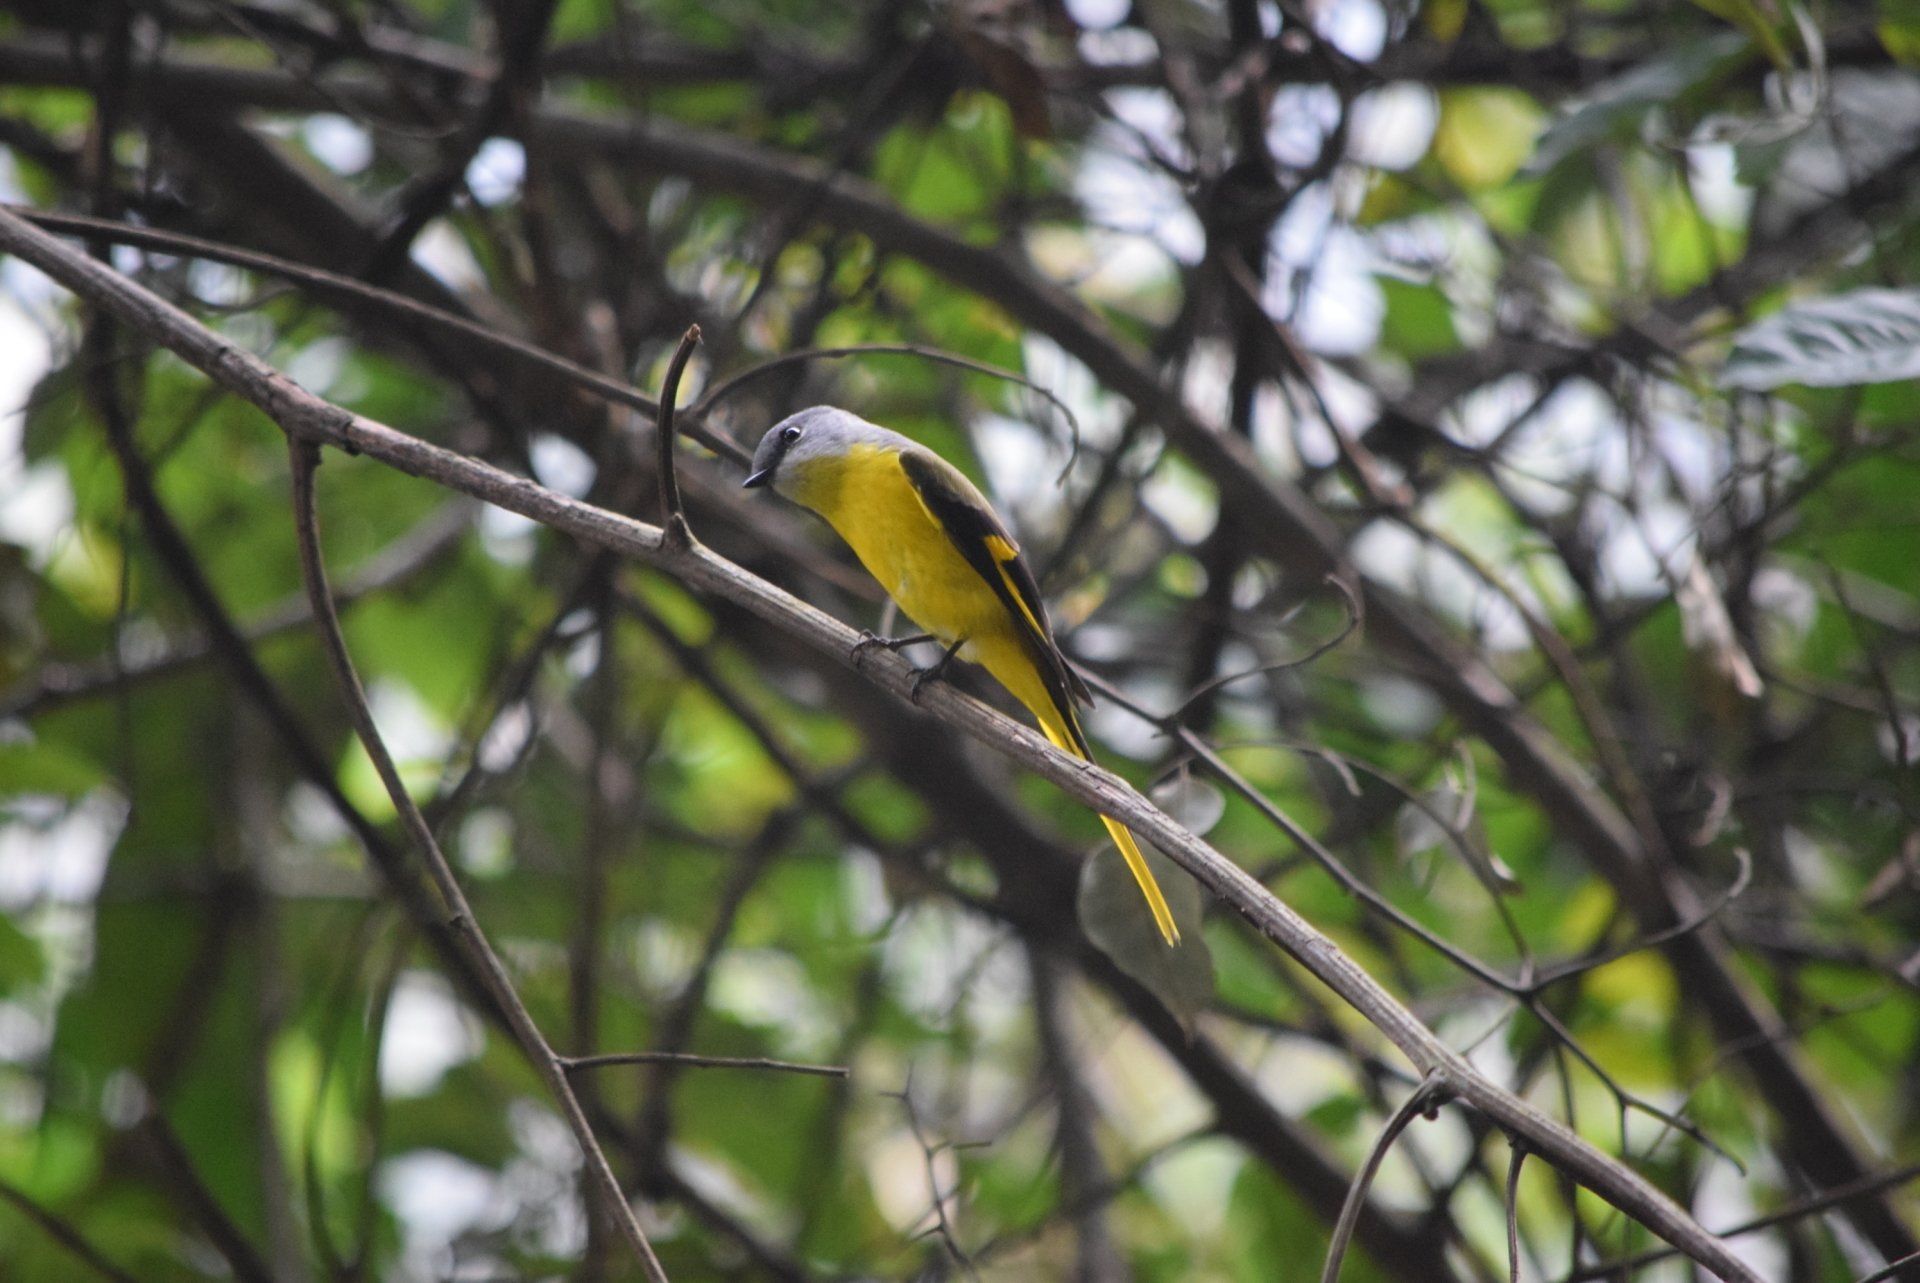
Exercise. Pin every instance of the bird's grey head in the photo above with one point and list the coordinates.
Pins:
(798, 439)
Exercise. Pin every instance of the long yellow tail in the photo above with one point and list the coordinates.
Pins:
(1065, 738)
(1137, 865)
(1008, 659)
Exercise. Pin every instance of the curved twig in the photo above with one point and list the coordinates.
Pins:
(733, 383)
(1355, 613)
(1707, 913)
(673, 518)
(1427, 1097)
(1515, 1161)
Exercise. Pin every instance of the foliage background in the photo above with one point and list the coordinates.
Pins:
(1587, 326)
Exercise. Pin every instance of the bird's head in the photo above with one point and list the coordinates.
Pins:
(800, 441)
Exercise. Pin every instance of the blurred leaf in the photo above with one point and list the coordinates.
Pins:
(1338, 1114)
(46, 768)
(1866, 336)
(21, 960)
(1899, 30)
(995, 47)
(1419, 320)
(1757, 160)
(1197, 804)
(1444, 18)
(1447, 818)
(1615, 108)
(1485, 134)
(1116, 918)
(1746, 15)
(54, 409)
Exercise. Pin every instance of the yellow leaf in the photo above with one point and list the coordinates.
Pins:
(1485, 134)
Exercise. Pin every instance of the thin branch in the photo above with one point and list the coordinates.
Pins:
(1626, 1265)
(1706, 913)
(1517, 1159)
(62, 1232)
(673, 517)
(1355, 612)
(304, 457)
(734, 382)
(310, 420)
(185, 1184)
(1895, 1269)
(1424, 1099)
(943, 1226)
(689, 1060)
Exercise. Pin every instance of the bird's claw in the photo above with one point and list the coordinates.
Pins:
(870, 639)
(934, 671)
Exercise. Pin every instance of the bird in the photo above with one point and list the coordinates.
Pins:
(936, 545)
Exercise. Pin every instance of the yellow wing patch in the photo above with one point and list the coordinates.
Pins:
(1003, 553)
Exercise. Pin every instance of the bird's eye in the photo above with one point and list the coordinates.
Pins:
(791, 435)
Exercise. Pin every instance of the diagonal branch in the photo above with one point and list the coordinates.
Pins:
(310, 421)
(305, 456)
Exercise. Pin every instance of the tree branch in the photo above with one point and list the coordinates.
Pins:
(311, 421)
(304, 456)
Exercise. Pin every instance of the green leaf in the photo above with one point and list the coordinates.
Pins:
(1746, 15)
(1419, 319)
(1899, 30)
(1616, 107)
(1866, 336)
(1117, 920)
(21, 961)
(48, 769)
(1486, 132)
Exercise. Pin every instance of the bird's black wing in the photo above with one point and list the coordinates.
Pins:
(980, 538)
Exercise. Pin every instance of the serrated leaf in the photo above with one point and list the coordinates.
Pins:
(1866, 336)
(1115, 917)
(1616, 107)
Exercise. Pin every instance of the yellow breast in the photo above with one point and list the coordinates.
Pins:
(865, 496)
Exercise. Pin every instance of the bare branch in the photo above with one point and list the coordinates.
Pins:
(310, 421)
(304, 456)
(673, 517)
(719, 392)
(1424, 1099)
(692, 1061)
(63, 1232)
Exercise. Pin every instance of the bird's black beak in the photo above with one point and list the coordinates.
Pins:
(757, 479)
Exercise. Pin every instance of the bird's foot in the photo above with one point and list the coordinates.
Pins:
(870, 640)
(934, 671)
